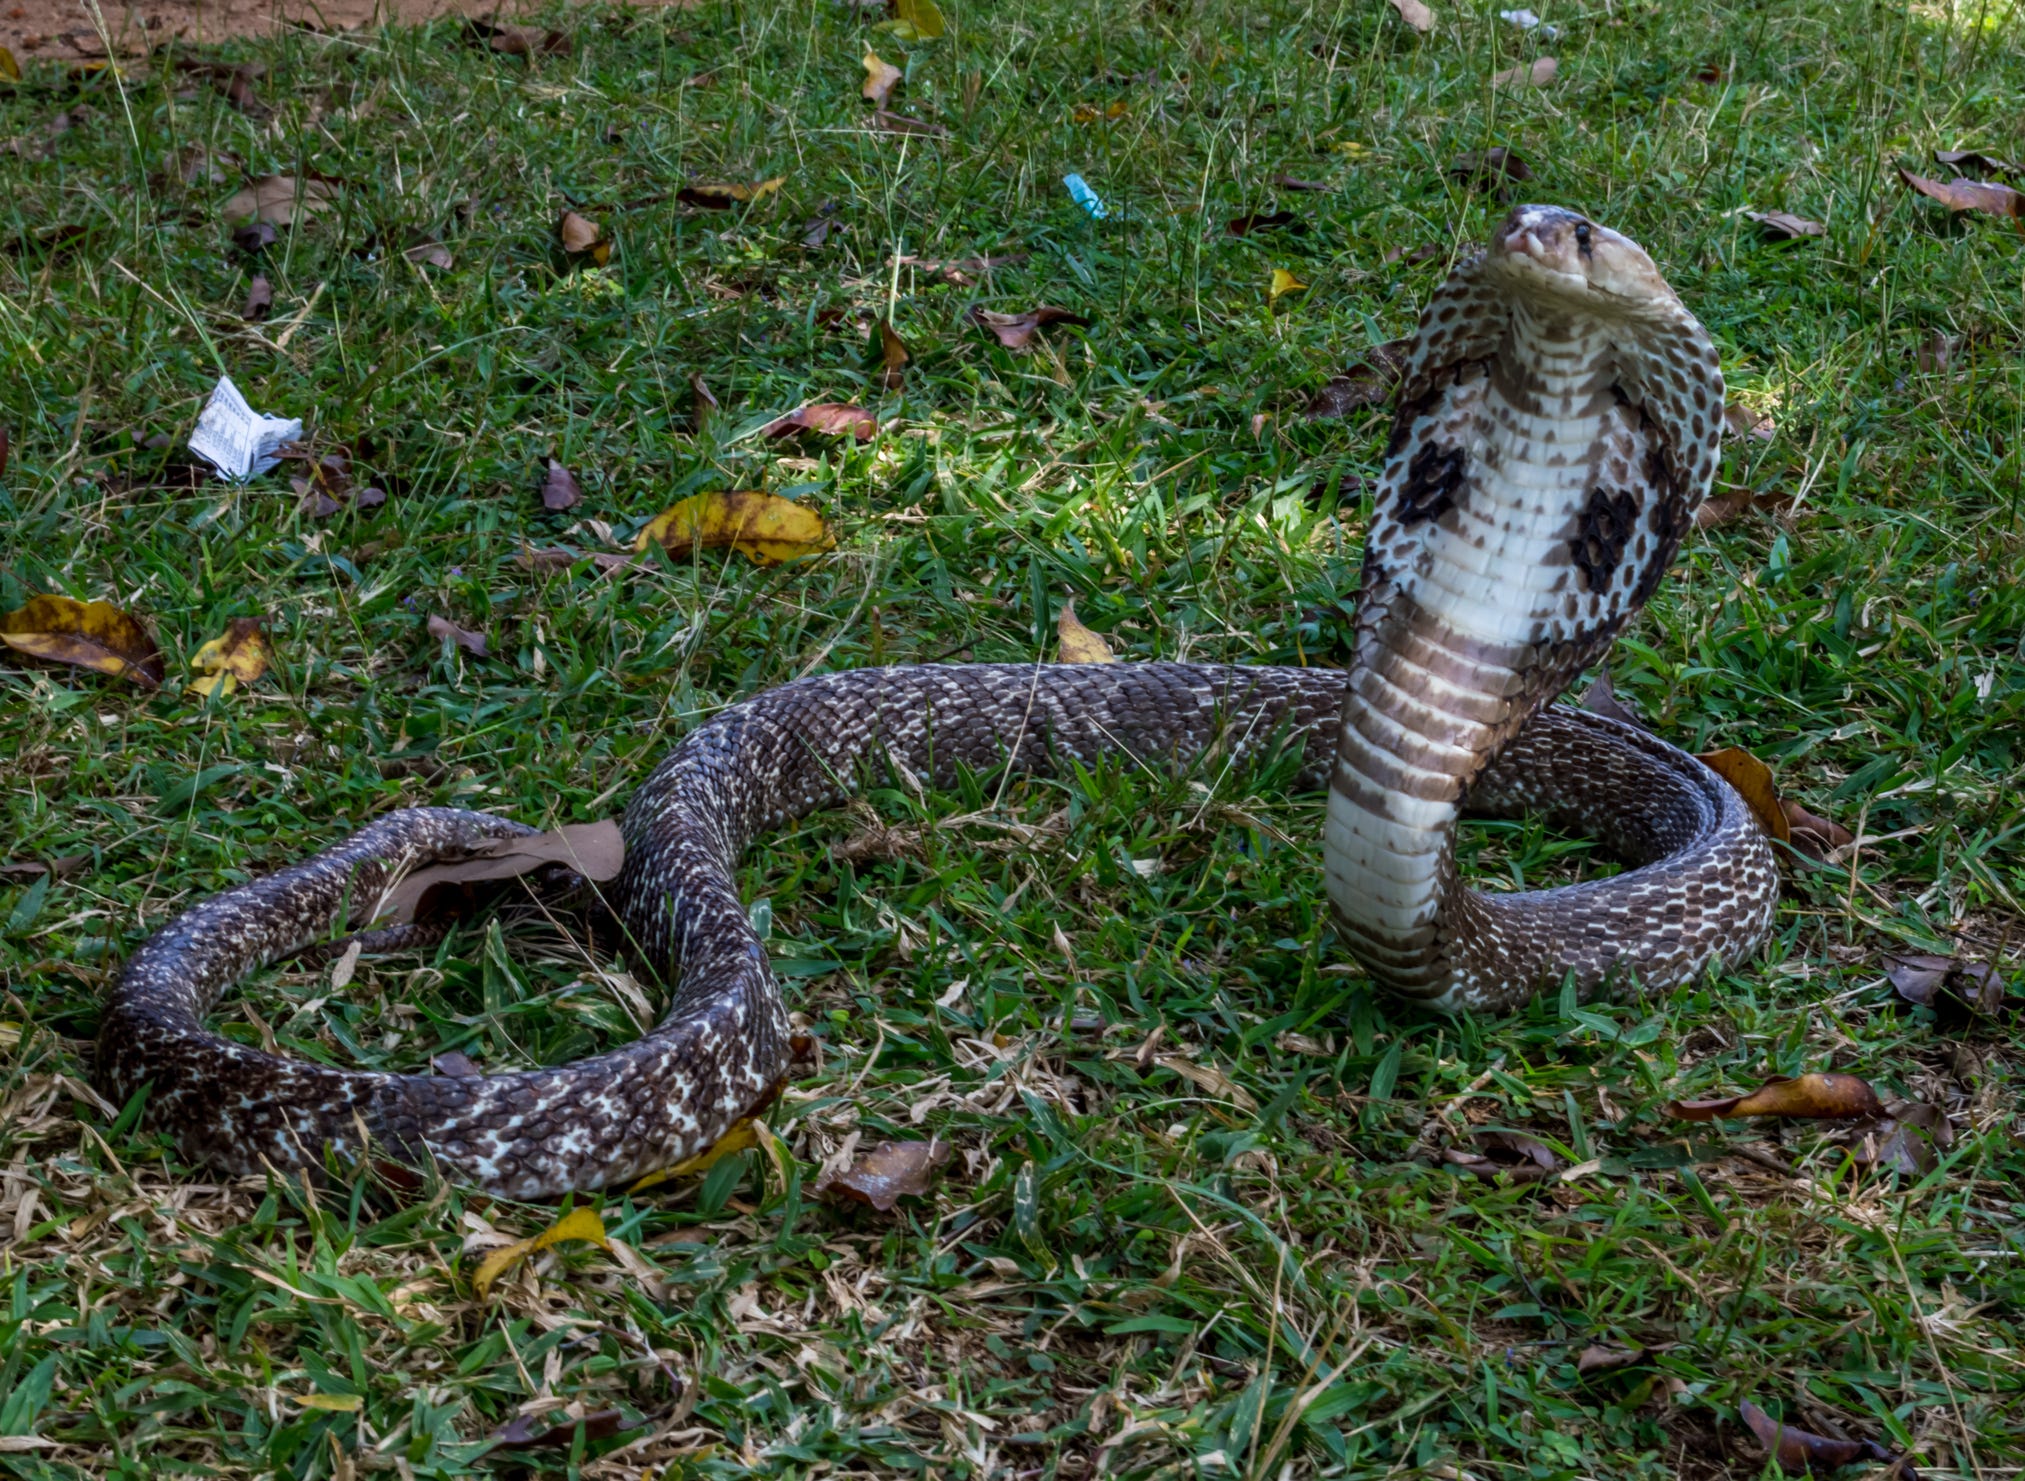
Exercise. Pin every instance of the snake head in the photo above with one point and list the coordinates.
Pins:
(1562, 260)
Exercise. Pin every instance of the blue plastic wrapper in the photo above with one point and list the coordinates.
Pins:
(1080, 192)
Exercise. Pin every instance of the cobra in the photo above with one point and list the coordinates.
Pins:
(1556, 426)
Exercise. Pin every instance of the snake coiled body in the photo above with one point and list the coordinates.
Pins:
(1556, 428)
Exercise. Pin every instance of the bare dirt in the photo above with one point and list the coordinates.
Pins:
(67, 31)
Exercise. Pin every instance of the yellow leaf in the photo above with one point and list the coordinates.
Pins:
(1753, 780)
(93, 635)
(881, 77)
(334, 1403)
(743, 1135)
(1284, 283)
(1079, 644)
(239, 657)
(922, 16)
(765, 527)
(10, 69)
(1351, 149)
(579, 1223)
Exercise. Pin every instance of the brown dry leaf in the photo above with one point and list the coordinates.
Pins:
(430, 253)
(579, 234)
(546, 559)
(1240, 226)
(1017, 331)
(1753, 780)
(833, 418)
(1079, 644)
(881, 77)
(1415, 14)
(893, 357)
(958, 271)
(93, 635)
(887, 1173)
(259, 299)
(1975, 159)
(1945, 983)
(578, 1223)
(722, 197)
(279, 200)
(1091, 113)
(1602, 1358)
(239, 657)
(764, 527)
(1784, 226)
(1601, 699)
(1369, 382)
(60, 867)
(255, 238)
(1538, 74)
(1961, 194)
(1293, 182)
(1816, 837)
(1814, 1096)
(594, 850)
(1798, 1452)
(560, 489)
(542, 1432)
(1490, 167)
(1511, 1154)
(1208, 1079)
(471, 642)
(899, 123)
(518, 41)
(1425, 252)
(706, 404)
(1908, 1140)
(1740, 421)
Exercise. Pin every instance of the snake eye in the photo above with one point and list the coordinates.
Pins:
(1582, 237)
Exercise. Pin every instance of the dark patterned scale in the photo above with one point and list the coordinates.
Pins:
(1556, 429)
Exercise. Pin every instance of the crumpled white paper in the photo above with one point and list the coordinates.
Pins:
(237, 440)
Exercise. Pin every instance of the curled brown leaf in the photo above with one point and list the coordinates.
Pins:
(559, 488)
(1962, 194)
(1799, 1451)
(1490, 166)
(832, 418)
(442, 628)
(887, 1173)
(92, 635)
(1816, 1096)
(1784, 226)
(1508, 1154)
(1017, 331)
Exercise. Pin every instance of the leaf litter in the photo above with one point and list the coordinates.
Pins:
(91, 635)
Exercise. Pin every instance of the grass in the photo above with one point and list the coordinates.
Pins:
(1263, 1270)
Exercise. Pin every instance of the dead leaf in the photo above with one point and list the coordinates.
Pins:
(93, 635)
(518, 41)
(1281, 284)
(259, 299)
(1740, 421)
(1415, 14)
(429, 252)
(1205, 1077)
(239, 657)
(471, 642)
(899, 123)
(887, 1173)
(256, 238)
(1975, 159)
(706, 404)
(1797, 1451)
(579, 235)
(10, 70)
(1016, 331)
(1945, 983)
(1816, 837)
(560, 489)
(1091, 113)
(957, 271)
(1601, 1358)
(539, 1432)
(832, 418)
(1490, 167)
(547, 559)
(1538, 74)
(881, 77)
(1291, 182)
(893, 356)
(1962, 194)
(1908, 1139)
(578, 1223)
(1752, 780)
(1240, 226)
(593, 850)
(1508, 1154)
(59, 868)
(1601, 699)
(764, 527)
(722, 197)
(1831, 1096)
(1425, 252)
(1370, 382)
(1079, 644)
(278, 201)
(1784, 226)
